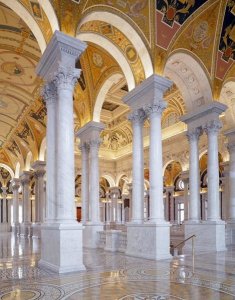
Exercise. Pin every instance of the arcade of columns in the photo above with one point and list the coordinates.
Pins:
(148, 239)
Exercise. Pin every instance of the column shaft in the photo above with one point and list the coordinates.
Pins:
(231, 204)
(85, 183)
(15, 189)
(213, 206)
(194, 183)
(137, 118)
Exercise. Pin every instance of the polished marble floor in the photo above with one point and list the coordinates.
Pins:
(114, 276)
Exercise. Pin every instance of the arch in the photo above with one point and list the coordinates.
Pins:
(17, 170)
(50, 13)
(190, 78)
(23, 13)
(8, 169)
(102, 94)
(42, 150)
(128, 31)
(114, 51)
(227, 96)
(119, 177)
(110, 179)
(28, 161)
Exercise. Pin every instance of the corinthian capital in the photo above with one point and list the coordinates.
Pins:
(137, 116)
(194, 134)
(49, 93)
(66, 78)
(153, 109)
(213, 126)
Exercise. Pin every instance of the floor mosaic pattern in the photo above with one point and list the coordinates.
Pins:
(114, 276)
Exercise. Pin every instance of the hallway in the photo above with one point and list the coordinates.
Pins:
(114, 276)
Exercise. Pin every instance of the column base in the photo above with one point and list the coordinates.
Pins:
(112, 240)
(90, 235)
(36, 230)
(149, 240)
(210, 236)
(26, 229)
(67, 240)
(230, 232)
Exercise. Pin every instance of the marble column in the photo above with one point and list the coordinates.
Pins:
(137, 118)
(154, 112)
(90, 134)
(152, 238)
(4, 207)
(39, 172)
(50, 96)
(230, 228)
(213, 207)
(185, 178)
(225, 190)
(25, 228)
(57, 66)
(15, 189)
(85, 182)
(194, 176)
(171, 204)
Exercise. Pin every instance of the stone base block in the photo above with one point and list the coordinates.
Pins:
(91, 236)
(5, 227)
(112, 240)
(149, 240)
(61, 247)
(26, 229)
(210, 236)
(230, 233)
(36, 230)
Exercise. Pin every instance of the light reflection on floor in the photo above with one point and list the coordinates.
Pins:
(114, 276)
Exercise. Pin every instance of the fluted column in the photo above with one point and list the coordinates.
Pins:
(154, 112)
(4, 207)
(94, 180)
(85, 182)
(137, 118)
(213, 207)
(49, 95)
(194, 204)
(15, 189)
(39, 172)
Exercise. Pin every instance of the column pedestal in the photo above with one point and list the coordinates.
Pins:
(16, 228)
(150, 241)
(58, 236)
(90, 235)
(36, 230)
(26, 229)
(230, 232)
(210, 236)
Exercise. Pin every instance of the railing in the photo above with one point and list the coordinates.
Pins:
(183, 242)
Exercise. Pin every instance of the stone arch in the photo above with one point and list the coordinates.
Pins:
(115, 53)
(28, 161)
(190, 78)
(42, 150)
(50, 13)
(102, 94)
(171, 174)
(127, 30)
(109, 178)
(227, 96)
(8, 169)
(24, 14)
(17, 170)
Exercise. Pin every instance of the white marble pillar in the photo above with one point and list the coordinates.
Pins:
(194, 176)
(185, 178)
(15, 189)
(137, 118)
(213, 208)
(4, 207)
(154, 112)
(50, 96)
(25, 228)
(57, 65)
(225, 190)
(85, 182)
(39, 172)
(171, 204)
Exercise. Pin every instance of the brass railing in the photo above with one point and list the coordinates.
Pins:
(183, 242)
